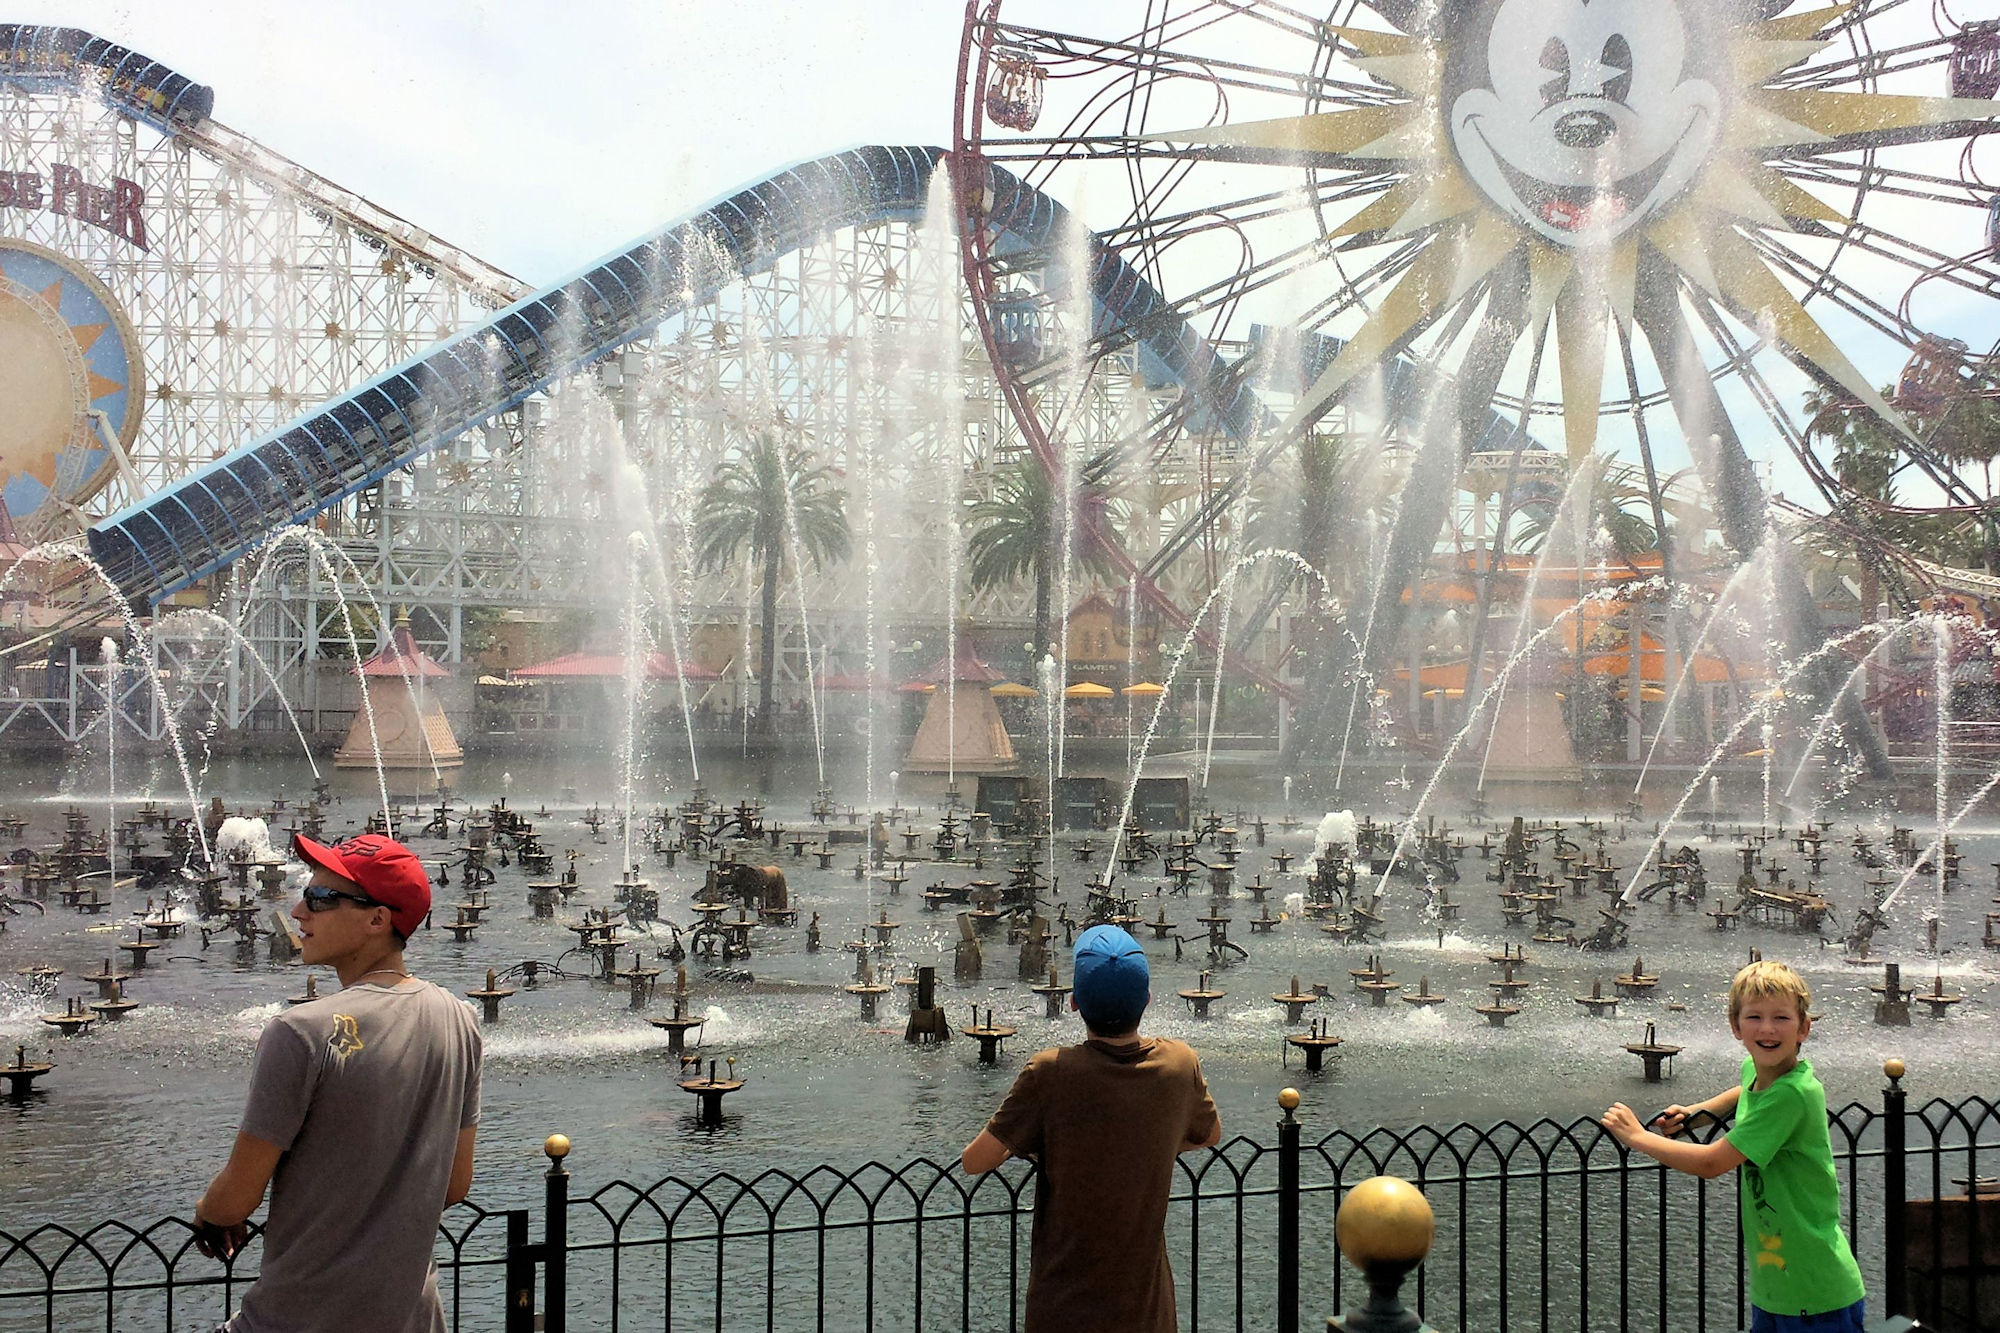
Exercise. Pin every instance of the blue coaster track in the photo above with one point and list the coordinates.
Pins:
(223, 511)
(226, 509)
(138, 85)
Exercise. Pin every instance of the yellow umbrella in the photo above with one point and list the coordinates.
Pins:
(1651, 692)
(1085, 689)
(1008, 689)
(1146, 688)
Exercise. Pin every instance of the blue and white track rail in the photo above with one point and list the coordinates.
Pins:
(227, 509)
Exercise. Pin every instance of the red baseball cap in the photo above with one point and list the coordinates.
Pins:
(383, 869)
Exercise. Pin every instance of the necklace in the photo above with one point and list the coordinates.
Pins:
(384, 971)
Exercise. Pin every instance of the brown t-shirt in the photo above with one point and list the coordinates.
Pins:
(1105, 1120)
(366, 1091)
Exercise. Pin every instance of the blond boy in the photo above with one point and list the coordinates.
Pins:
(1802, 1272)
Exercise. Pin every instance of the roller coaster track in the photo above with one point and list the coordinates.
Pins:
(220, 513)
(73, 60)
(225, 510)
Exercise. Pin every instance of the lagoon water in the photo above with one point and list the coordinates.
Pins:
(137, 1115)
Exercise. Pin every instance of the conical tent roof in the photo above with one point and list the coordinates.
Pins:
(610, 666)
(401, 657)
(963, 735)
(967, 667)
(410, 729)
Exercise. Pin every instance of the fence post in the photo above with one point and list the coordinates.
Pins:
(1288, 1214)
(1895, 1186)
(520, 1317)
(555, 1238)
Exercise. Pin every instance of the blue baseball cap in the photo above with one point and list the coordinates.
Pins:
(1112, 980)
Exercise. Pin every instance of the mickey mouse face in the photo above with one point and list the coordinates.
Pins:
(1589, 125)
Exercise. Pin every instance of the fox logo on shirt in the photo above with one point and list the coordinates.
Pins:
(345, 1038)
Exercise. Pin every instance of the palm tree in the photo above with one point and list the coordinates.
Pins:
(1612, 490)
(770, 502)
(1018, 531)
(1866, 456)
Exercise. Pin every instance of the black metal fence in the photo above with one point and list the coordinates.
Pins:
(1545, 1226)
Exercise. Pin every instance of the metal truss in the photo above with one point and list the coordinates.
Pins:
(857, 347)
(263, 288)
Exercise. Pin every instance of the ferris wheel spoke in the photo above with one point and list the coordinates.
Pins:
(1920, 260)
(1161, 228)
(1853, 67)
(1348, 294)
(1135, 55)
(1731, 479)
(1894, 136)
(1353, 291)
(1919, 453)
(1821, 281)
(1891, 179)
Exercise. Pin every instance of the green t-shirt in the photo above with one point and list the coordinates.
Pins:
(1800, 1263)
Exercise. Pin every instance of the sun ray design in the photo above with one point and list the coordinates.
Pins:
(73, 384)
(1440, 275)
(1590, 131)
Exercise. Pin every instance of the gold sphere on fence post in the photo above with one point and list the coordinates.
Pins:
(1385, 1221)
(556, 1146)
(1385, 1229)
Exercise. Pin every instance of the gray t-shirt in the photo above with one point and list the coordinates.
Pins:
(366, 1092)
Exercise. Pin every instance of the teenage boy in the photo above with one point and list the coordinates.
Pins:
(1802, 1273)
(1104, 1120)
(362, 1109)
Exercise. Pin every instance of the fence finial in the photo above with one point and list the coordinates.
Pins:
(556, 1146)
(1385, 1228)
(1893, 1068)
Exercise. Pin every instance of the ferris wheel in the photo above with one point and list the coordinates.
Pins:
(1637, 228)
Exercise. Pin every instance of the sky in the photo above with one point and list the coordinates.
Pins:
(542, 135)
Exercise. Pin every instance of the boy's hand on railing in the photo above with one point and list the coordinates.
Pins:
(1623, 1125)
(220, 1242)
(1674, 1119)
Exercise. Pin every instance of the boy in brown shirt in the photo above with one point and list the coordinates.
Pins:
(363, 1109)
(1104, 1120)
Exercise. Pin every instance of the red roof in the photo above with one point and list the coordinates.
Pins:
(969, 667)
(852, 681)
(401, 657)
(609, 666)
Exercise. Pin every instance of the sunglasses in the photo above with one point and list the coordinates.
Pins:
(318, 899)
